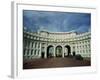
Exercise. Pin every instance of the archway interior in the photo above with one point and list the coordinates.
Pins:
(67, 51)
(58, 51)
(50, 51)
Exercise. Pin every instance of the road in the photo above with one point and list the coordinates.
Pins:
(54, 63)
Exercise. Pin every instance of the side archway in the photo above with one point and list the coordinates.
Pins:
(67, 50)
(50, 50)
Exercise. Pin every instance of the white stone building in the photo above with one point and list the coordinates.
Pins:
(44, 44)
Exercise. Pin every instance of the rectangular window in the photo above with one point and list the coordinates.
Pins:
(31, 52)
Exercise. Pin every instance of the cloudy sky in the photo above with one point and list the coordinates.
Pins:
(56, 21)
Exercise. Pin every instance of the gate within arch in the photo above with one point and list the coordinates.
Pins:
(67, 51)
(59, 51)
(50, 50)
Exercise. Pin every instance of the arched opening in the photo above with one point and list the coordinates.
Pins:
(67, 50)
(43, 52)
(59, 51)
(50, 51)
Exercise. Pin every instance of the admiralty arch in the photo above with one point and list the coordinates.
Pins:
(45, 44)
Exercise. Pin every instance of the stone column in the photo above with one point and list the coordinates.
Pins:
(37, 49)
(30, 45)
(63, 51)
(33, 48)
(54, 51)
(30, 49)
(26, 53)
(45, 51)
(36, 52)
(76, 48)
(36, 45)
(71, 49)
(33, 52)
(40, 50)
(25, 56)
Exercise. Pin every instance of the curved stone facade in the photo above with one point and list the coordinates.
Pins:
(44, 44)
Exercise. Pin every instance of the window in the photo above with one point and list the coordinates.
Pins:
(38, 45)
(25, 43)
(86, 46)
(35, 45)
(35, 52)
(83, 46)
(38, 52)
(28, 44)
(32, 44)
(28, 52)
(73, 47)
(31, 52)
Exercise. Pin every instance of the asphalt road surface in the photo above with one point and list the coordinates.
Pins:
(54, 63)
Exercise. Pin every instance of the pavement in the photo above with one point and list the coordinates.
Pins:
(55, 63)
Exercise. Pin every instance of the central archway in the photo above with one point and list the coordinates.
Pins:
(59, 51)
(50, 50)
(67, 50)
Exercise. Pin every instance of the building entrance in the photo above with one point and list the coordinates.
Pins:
(58, 51)
(67, 50)
(50, 51)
